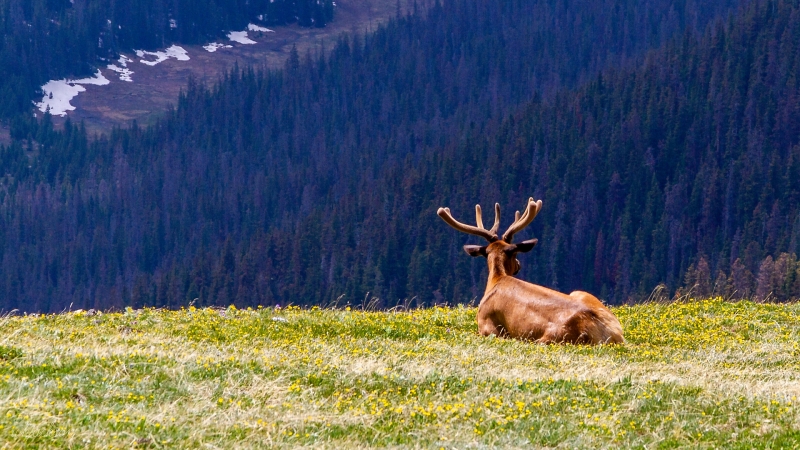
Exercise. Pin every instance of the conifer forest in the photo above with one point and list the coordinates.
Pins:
(663, 137)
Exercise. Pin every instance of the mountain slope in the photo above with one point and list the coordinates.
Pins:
(321, 180)
(52, 39)
(685, 171)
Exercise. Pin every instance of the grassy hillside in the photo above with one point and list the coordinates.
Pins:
(696, 374)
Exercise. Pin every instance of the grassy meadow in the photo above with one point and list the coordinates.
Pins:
(695, 374)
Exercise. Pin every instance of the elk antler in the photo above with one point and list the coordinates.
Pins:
(489, 235)
(521, 222)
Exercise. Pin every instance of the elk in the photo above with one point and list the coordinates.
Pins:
(517, 309)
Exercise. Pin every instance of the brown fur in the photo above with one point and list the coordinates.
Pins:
(514, 308)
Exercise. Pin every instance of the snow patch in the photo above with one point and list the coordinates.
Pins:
(240, 37)
(175, 51)
(212, 47)
(58, 93)
(98, 80)
(254, 27)
(122, 69)
(124, 72)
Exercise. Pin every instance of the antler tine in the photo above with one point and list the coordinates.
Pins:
(479, 216)
(496, 225)
(530, 213)
(445, 214)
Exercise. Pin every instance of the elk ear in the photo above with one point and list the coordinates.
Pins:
(523, 247)
(475, 250)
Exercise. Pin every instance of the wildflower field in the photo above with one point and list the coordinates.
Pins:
(704, 374)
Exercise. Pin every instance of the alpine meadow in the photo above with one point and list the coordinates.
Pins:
(281, 253)
(699, 374)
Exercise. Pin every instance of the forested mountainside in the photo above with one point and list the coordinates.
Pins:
(322, 180)
(685, 171)
(52, 39)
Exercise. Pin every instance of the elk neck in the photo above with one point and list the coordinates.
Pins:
(497, 268)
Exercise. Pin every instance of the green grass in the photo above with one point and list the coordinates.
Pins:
(704, 374)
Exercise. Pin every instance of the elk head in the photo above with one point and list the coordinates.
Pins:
(501, 253)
